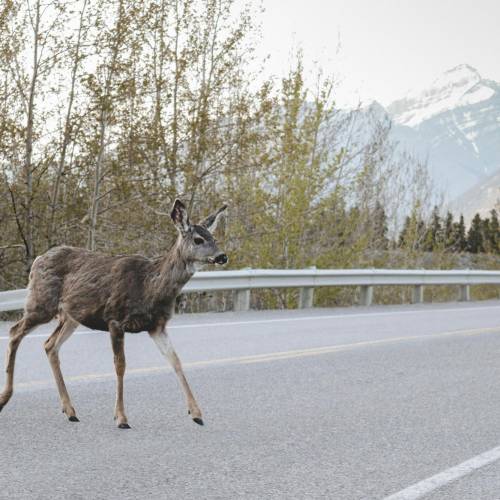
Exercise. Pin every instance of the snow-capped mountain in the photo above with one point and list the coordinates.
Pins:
(455, 125)
(458, 87)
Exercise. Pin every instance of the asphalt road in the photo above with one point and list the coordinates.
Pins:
(358, 403)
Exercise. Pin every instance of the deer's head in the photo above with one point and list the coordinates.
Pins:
(196, 241)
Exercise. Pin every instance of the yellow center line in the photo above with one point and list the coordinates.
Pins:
(267, 357)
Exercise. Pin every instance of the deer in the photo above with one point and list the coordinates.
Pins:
(118, 294)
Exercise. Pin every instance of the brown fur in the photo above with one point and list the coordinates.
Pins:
(128, 293)
(95, 289)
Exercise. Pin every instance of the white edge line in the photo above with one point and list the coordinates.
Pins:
(284, 320)
(426, 486)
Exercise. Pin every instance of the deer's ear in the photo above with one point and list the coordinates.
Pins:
(180, 216)
(212, 220)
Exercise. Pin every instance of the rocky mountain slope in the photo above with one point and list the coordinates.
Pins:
(455, 125)
(479, 199)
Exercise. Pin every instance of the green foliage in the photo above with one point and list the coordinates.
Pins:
(483, 235)
(121, 106)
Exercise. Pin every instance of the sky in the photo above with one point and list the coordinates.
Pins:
(380, 49)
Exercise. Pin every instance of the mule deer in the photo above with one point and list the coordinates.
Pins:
(120, 294)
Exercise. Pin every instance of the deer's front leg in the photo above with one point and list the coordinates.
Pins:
(117, 342)
(165, 346)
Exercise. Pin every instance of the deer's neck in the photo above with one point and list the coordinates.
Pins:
(172, 272)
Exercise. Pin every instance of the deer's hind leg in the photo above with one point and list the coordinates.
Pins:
(20, 329)
(63, 331)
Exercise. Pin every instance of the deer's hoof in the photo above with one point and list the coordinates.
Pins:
(73, 418)
(4, 399)
(124, 426)
(198, 421)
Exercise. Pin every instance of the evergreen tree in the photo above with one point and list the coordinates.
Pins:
(448, 231)
(379, 228)
(434, 233)
(420, 235)
(485, 232)
(494, 232)
(475, 243)
(459, 236)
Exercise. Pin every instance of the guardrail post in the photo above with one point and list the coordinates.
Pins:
(306, 296)
(366, 296)
(464, 293)
(418, 294)
(241, 300)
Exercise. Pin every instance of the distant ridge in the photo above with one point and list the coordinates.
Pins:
(479, 199)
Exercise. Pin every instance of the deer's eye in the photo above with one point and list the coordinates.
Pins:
(199, 241)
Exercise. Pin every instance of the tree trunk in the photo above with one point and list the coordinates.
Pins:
(103, 122)
(28, 161)
(66, 134)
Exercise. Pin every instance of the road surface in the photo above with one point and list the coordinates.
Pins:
(357, 403)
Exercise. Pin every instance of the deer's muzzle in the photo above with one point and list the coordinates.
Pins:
(221, 259)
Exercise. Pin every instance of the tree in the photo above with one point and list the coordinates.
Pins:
(116, 106)
(448, 239)
(434, 235)
(379, 224)
(475, 240)
(76, 56)
(104, 86)
(459, 235)
(30, 52)
(413, 234)
(494, 233)
(404, 235)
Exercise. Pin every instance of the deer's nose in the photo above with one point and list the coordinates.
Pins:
(221, 259)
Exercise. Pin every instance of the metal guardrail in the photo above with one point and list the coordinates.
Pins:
(243, 281)
(12, 300)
